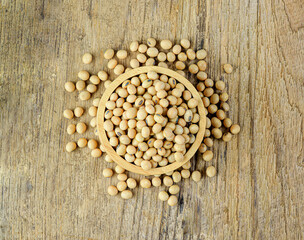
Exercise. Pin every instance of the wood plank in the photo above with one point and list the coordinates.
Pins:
(49, 194)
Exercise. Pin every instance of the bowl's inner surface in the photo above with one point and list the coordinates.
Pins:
(104, 138)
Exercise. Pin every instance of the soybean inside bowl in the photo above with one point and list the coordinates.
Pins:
(101, 119)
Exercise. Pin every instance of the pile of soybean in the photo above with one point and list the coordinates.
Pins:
(184, 60)
(151, 120)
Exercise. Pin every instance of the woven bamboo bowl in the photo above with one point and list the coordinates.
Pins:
(104, 139)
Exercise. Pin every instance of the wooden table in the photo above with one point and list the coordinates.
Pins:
(47, 193)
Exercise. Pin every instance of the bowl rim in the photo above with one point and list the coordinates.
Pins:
(104, 139)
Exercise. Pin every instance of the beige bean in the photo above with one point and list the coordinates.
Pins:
(112, 63)
(190, 54)
(83, 75)
(84, 95)
(151, 42)
(78, 111)
(172, 201)
(126, 194)
(150, 62)
(185, 173)
(208, 155)
(193, 68)
(176, 176)
(227, 122)
(134, 63)
(91, 88)
(152, 52)
(177, 49)
(68, 114)
(196, 176)
(142, 48)
(94, 79)
(107, 83)
(225, 106)
(220, 85)
(171, 57)
(71, 129)
(163, 196)
(185, 43)
(228, 68)
(178, 156)
(81, 127)
(121, 149)
(217, 133)
(167, 181)
(182, 57)
(141, 58)
(82, 142)
(166, 44)
(202, 65)
(112, 190)
(180, 65)
(96, 153)
(87, 58)
(201, 54)
(235, 129)
(145, 183)
(92, 144)
(122, 54)
(121, 186)
(119, 169)
(119, 69)
(174, 189)
(69, 86)
(108, 54)
(210, 171)
(227, 137)
(108, 125)
(131, 183)
(201, 76)
(71, 146)
(80, 85)
(134, 46)
(146, 165)
(103, 76)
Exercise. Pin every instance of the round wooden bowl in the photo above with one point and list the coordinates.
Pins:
(104, 139)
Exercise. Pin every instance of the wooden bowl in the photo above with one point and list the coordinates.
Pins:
(104, 139)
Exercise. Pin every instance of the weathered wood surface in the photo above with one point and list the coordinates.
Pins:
(49, 194)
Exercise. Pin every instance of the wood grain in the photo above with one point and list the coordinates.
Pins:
(48, 194)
